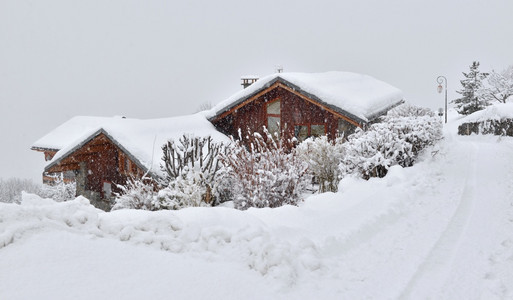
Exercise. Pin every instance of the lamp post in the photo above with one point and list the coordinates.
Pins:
(440, 80)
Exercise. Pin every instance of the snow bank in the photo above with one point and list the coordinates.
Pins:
(220, 233)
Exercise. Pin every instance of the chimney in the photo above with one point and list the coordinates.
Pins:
(248, 80)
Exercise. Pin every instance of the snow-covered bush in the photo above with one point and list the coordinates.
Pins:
(370, 153)
(323, 157)
(137, 194)
(394, 141)
(193, 161)
(499, 86)
(59, 190)
(409, 110)
(11, 188)
(265, 173)
(185, 190)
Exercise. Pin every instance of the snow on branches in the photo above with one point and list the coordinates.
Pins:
(264, 172)
(323, 157)
(397, 140)
(499, 87)
(137, 194)
(192, 166)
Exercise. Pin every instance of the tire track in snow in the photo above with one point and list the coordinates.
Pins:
(432, 273)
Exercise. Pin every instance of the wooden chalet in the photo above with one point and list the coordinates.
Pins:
(302, 105)
(101, 153)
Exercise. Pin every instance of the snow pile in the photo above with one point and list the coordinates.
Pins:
(360, 95)
(213, 233)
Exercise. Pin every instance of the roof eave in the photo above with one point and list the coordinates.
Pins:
(42, 149)
(385, 110)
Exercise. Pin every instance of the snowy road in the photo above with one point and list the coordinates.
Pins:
(461, 262)
(449, 233)
(442, 229)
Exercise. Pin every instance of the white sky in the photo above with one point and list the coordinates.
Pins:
(145, 59)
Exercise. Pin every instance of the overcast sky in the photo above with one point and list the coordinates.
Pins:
(148, 59)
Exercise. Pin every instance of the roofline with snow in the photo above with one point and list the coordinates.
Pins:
(42, 149)
(113, 140)
(295, 88)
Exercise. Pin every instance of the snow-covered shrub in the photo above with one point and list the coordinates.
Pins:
(323, 157)
(59, 190)
(11, 188)
(419, 132)
(185, 190)
(409, 110)
(265, 173)
(394, 141)
(499, 86)
(137, 194)
(370, 153)
(194, 161)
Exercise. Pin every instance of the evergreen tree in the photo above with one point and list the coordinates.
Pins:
(471, 101)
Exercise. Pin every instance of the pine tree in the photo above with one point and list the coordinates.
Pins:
(471, 101)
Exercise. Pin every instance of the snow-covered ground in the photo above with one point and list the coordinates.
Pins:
(442, 229)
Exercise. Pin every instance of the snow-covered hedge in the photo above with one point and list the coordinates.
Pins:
(137, 194)
(265, 173)
(323, 157)
(186, 190)
(397, 140)
(496, 119)
(495, 127)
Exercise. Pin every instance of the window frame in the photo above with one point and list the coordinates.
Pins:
(268, 115)
(309, 129)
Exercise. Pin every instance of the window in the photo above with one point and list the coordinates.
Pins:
(302, 132)
(274, 117)
(345, 128)
(317, 130)
(127, 165)
(107, 189)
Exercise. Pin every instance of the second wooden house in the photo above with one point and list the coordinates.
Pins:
(301, 105)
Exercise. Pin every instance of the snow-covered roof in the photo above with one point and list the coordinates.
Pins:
(141, 139)
(497, 112)
(249, 77)
(359, 96)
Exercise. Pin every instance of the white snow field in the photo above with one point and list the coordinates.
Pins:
(442, 229)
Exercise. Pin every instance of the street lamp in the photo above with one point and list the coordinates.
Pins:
(440, 80)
